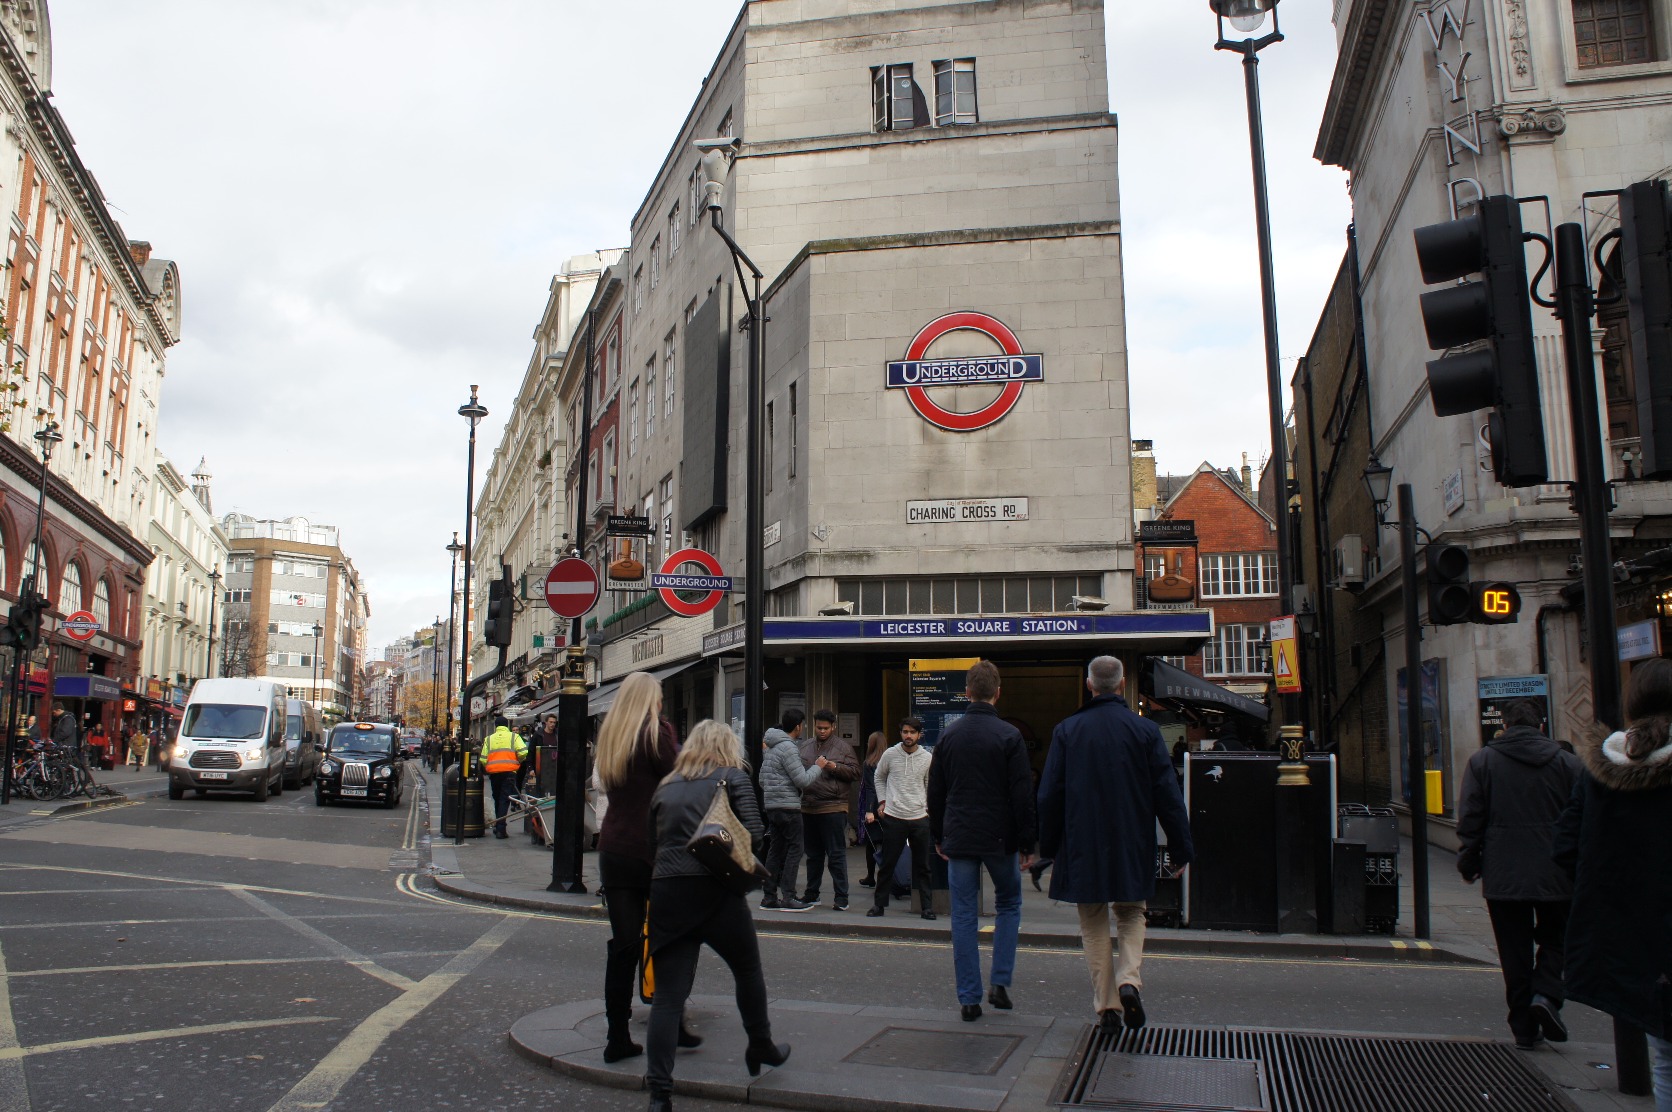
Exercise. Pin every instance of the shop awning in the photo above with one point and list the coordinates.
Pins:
(86, 687)
(600, 699)
(1165, 683)
(537, 711)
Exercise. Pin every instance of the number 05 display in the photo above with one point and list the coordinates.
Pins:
(1496, 603)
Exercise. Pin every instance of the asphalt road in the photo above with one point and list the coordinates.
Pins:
(223, 955)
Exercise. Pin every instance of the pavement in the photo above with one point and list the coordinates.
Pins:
(875, 1056)
(127, 784)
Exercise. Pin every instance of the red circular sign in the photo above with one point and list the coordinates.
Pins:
(81, 625)
(702, 559)
(949, 419)
(571, 588)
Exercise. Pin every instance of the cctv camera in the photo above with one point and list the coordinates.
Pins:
(722, 143)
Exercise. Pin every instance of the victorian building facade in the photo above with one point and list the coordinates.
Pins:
(182, 607)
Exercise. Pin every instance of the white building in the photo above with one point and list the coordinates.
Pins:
(181, 607)
(1434, 105)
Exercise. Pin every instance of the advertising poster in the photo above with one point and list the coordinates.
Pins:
(626, 569)
(1494, 691)
(937, 693)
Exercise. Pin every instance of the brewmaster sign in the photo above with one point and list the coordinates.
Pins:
(1008, 368)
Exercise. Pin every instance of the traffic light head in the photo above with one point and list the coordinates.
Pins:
(1450, 601)
(502, 610)
(1494, 308)
(1646, 265)
(1495, 603)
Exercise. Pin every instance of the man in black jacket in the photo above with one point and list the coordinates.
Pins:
(981, 814)
(1514, 790)
(66, 738)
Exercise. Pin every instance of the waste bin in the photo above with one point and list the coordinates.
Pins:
(1378, 829)
(474, 820)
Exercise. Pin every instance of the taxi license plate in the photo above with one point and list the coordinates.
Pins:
(212, 775)
(354, 791)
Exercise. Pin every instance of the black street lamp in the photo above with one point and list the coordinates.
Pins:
(214, 597)
(473, 411)
(317, 670)
(31, 602)
(452, 601)
(715, 164)
(435, 671)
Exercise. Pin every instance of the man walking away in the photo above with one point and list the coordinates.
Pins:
(1107, 782)
(1514, 790)
(981, 816)
(503, 754)
(903, 813)
(824, 808)
(782, 781)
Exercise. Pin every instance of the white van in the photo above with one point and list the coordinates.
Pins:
(232, 738)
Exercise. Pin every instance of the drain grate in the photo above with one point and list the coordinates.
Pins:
(1307, 1072)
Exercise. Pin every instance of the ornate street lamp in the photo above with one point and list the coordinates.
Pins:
(474, 412)
(452, 600)
(214, 597)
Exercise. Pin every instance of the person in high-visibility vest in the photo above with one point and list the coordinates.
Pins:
(503, 754)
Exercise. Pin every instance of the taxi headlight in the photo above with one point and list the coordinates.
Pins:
(328, 767)
(384, 772)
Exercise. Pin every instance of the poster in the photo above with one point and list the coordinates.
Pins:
(1494, 691)
(937, 693)
(1436, 746)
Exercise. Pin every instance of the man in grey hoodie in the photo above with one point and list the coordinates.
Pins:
(782, 778)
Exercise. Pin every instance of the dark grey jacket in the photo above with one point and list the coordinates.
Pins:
(65, 735)
(1514, 791)
(678, 808)
(782, 774)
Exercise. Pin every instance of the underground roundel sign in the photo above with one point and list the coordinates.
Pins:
(1008, 368)
(81, 625)
(675, 577)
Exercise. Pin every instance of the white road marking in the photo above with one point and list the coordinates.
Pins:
(165, 965)
(18, 1053)
(14, 1085)
(325, 942)
(265, 889)
(336, 1069)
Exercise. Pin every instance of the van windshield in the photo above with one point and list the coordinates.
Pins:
(293, 728)
(224, 720)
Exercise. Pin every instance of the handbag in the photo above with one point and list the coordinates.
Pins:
(722, 845)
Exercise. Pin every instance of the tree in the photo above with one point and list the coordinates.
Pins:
(423, 706)
(237, 643)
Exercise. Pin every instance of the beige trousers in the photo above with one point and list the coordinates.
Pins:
(1108, 974)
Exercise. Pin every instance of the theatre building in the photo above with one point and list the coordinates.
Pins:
(930, 190)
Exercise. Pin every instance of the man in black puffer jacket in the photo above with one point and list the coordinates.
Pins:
(1514, 790)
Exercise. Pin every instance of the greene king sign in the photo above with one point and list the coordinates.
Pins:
(1008, 368)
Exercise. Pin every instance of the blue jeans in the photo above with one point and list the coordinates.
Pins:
(1660, 1062)
(964, 880)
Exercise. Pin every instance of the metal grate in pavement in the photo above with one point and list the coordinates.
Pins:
(915, 1048)
(1307, 1073)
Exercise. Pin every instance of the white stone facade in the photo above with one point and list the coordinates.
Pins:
(179, 594)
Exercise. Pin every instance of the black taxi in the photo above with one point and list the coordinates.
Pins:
(362, 763)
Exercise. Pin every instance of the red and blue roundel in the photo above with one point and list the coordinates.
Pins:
(1009, 368)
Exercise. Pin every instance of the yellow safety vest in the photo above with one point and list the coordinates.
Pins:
(503, 751)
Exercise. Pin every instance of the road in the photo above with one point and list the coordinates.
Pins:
(223, 955)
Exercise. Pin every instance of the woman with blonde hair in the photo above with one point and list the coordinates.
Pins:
(636, 749)
(689, 907)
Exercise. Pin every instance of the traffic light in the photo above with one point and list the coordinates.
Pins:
(1504, 376)
(502, 609)
(1494, 603)
(1646, 264)
(1450, 599)
(23, 625)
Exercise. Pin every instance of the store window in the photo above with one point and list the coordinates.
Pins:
(1613, 32)
(955, 92)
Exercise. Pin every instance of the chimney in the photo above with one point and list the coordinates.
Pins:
(140, 250)
(1247, 476)
(1144, 493)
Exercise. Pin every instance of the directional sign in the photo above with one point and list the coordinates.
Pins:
(670, 581)
(571, 588)
(81, 625)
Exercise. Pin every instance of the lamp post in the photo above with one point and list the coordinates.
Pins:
(452, 600)
(1378, 480)
(473, 411)
(31, 602)
(317, 670)
(1249, 16)
(435, 671)
(715, 164)
(214, 594)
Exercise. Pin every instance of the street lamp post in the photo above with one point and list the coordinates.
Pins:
(473, 411)
(435, 671)
(317, 670)
(31, 601)
(452, 600)
(214, 597)
(714, 165)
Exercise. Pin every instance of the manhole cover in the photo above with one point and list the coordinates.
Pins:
(1165, 1082)
(912, 1048)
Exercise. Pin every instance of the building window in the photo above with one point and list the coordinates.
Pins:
(955, 92)
(1240, 575)
(1016, 594)
(638, 289)
(674, 227)
(607, 493)
(694, 185)
(667, 516)
(667, 375)
(612, 363)
(893, 98)
(69, 588)
(771, 447)
(1238, 650)
(726, 124)
(1613, 32)
(649, 399)
(101, 606)
(656, 262)
(795, 437)
(633, 418)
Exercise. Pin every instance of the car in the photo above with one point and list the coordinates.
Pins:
(412, 743)
(362, 763)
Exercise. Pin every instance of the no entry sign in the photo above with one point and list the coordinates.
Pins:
(571, 588)
(81, 625)
(670, 581)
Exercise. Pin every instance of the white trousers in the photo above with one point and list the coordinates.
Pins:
(1112, 965)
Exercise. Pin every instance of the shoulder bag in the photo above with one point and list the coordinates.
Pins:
(722, 845)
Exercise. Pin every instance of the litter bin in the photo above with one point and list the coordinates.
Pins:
(1378, 829)
(474, 824)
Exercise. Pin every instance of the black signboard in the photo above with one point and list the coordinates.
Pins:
(627, 525)
(1167, 532)
(937, 694)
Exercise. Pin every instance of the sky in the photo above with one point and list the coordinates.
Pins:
(367, 200)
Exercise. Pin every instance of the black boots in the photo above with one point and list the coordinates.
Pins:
(688, 1040)
(661, 1102)
(620, 1046)
(765, 1052)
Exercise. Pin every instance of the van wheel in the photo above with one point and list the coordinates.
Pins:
(261, 791)
(175, 791)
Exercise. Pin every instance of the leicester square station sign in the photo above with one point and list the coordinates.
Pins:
(1009, 368)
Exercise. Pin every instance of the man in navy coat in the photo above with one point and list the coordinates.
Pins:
(1107, 781)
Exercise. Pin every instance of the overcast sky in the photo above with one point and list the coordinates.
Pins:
(367, 200)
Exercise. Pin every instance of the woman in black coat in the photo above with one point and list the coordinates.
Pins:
(1616, 837)
(689, 907)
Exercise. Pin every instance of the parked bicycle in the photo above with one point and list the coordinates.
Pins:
(46, 774)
